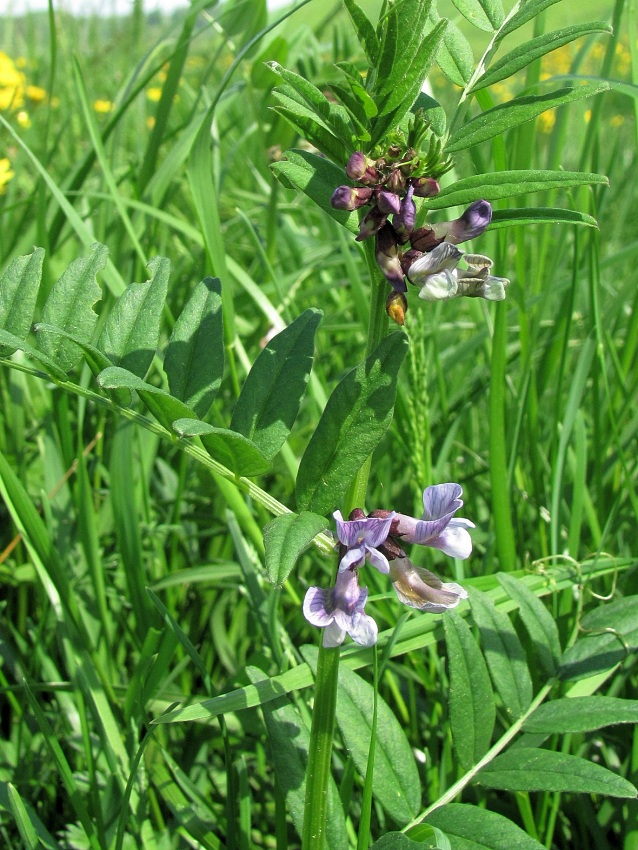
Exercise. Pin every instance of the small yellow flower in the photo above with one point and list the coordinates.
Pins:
(545, 121)
(154, 93)
(35, 93)
(587, 116)
(23, 119)
(5, 173)
(103, 106)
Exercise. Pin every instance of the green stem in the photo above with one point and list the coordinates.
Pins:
(326, 680)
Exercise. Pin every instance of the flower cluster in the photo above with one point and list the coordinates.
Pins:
(378, 539)
(427, 256)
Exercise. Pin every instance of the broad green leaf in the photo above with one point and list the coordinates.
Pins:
(581, 714)
(473, 828)
(472, 710)
(333, 115)
(507, 184)
(364, 29)
(289, 741)
(531, 769)
(455, 57)
(539, 623)
(539, 215)
(131, 332)
(610, 633)
(11, 342)
(526, 53)
(269, 400)
(487, 15)
(515, 112)
(70, 307)
(429, 837)
(286, 537)
(316, 177)
(305, 123)
(233, 450)
(526, 13)
(357, 415)
(395, 783)
(164, 407)
(194, 362)
(400, 841)
(19, 286)
(503, 653)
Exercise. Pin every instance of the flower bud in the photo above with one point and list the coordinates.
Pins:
(347, 198)
(371, 224)
(403, 223)
(361, 169)
(396, 181)
(424, 239)
(388, 258)
(388, 202)
(472, 223)
(396, 307)
(425, 187)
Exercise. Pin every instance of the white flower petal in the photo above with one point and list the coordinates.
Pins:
(333, 636)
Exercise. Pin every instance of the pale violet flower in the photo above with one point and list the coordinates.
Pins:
(339, 609)
(361, 537)
(471, 224)
(438, 277)
(438, 527)
(419, 588)
(477, 282)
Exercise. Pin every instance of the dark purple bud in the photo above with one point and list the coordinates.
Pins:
(393, 152)
(395, 181)
(425, 239)
(472, 223)
(371, 224)
(361, 168)
(387, 257)
(396, 306)
(347, 198)
(388, 202)
(425, 187)
(403, 223)
(357, 513)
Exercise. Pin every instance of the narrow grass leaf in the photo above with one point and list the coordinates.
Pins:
(486, 15)
(270, 398)
(610, 634)
(503, 117)
(289, 741)
(286, 537)
(539, 623)
(526, 53)
(395, 782)
(472, 709)
(473, 828)
(581, 714)
(316, 177)
(531, 769)
(503, 653)
(164, 407)
(233, 450)
(194, 362)
(539, 215)
(195, 820)
(70, 307)
(356, 417)
(19, 286)
(44, 837)
(508, 184)
(131, 332)
(26, 829)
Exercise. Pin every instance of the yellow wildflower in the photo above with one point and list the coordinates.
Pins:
(11, 84)
(23, 119)
(545, 121)
(154, 93)
(103, 106)
(35, 93)
(5, 173)
(587, 116)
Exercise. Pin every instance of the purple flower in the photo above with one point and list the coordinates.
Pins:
(388, 202)
(425, 187)
(403, 222)
(387, 257)
(347, 198)
(339, 609)
(438, 278)
(362, 168)
(419, 588)
(361, 537)
(472, 223)
(438, 527)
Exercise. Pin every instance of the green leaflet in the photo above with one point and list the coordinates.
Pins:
(357, 415)
(306, 124)
(472, 709)
(18, 294)
(507, 115)
(270, 397)
(539, 215)
(233, 450)
(503, 653)
(539, 623)
(580, 714)
(530, 769)
(455, 57)
(473, 828)
(131, 332)
(395, 782)
(527, 52)
(289, 740)
(411, 34)
(507, 184)
(70, 307)
(487, 15)
(10, 342)
(194, 362)
(164, 407)
(318, 178)
(364, 29)
(400, 841)
(526, 13)
(286, 537)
